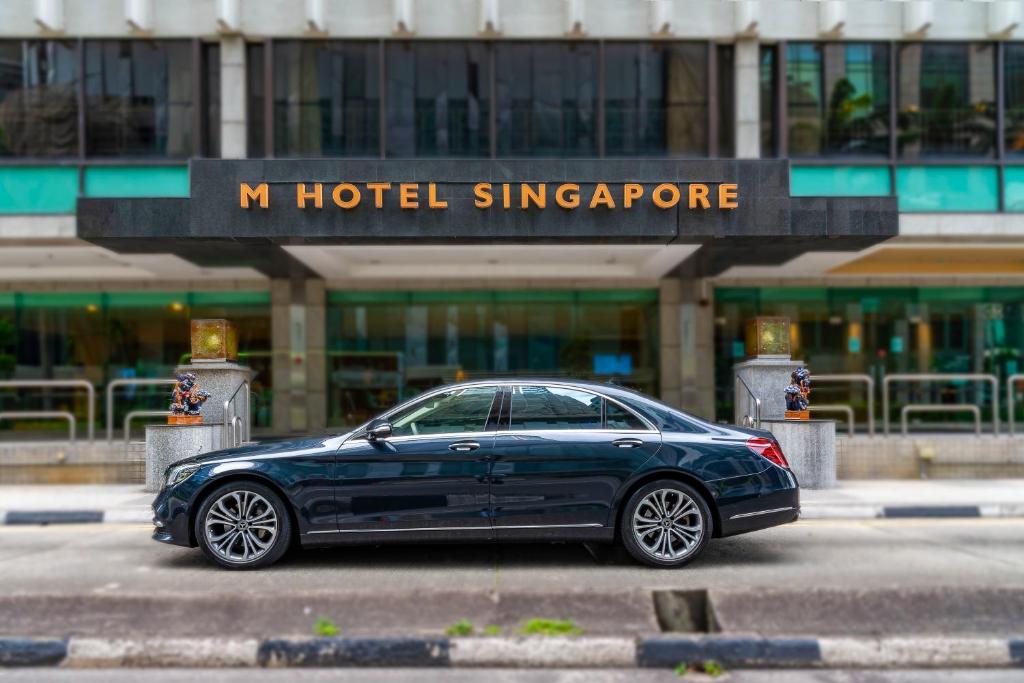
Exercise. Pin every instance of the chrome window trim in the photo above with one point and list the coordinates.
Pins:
(591, 525)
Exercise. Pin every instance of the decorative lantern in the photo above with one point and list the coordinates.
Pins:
(768, 337)
(214, 340)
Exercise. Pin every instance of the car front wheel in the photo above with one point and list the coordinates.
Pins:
(666, 523)
(243, 525)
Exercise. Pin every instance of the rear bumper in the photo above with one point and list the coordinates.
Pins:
(764, 500)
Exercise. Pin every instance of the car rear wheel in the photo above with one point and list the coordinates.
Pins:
(666, 523)
(243, 525)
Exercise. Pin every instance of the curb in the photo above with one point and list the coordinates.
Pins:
(909, 511)
(40, 517)
(514, 652)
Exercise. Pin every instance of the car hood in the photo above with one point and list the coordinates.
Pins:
(274, 447)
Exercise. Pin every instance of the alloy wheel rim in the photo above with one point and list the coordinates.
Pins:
(668, 524)
(241, 526)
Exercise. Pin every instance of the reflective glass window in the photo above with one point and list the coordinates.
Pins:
(438, 99)
(139, 98)
(767, 103)
(946, 99)
(1013, 58)
(326, 98)
(617, 417)
(540, 407)
(656, 99)
(547, 98)
(461, 410)
(38, 98)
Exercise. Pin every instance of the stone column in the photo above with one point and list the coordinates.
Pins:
(233, 141)
(298, 356)
(280, 354)
(747, 98)
(316, 355)
(686, 309)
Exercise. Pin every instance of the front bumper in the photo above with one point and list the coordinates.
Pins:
(171, 517)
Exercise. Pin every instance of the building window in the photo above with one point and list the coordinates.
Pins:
(256, 96)
(656, 99)
(326, 98)
(211, 99)
(38, 98)
(837, 98)
(947, 99)
(1013, 58)
(726, 114)
(768, 101)
(438, 99)
(547, 99)
(139, 98)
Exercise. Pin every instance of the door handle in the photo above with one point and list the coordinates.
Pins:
(627, 443)
(463, 446)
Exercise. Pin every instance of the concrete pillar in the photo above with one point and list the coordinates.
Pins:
(298, 356)
(316, 355)
(280, 354)
(747, 98)
(686, 309)
(233, 141)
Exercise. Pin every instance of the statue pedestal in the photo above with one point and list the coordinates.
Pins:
(167, 444)
(810, 448)
(767, 379)
(221, 379)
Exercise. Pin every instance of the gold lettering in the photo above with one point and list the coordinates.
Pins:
(432, 200)
(660, 201)
(484, 198)
(728, 196)
(602, 197)
(317, 195)
(630, 192)
(408, 195)
(571, 201)
(506, 196)
(346, 187)
(378, 193)
(699, 193)
(261, 194)
(527, 195)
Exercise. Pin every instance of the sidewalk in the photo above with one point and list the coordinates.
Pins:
(860, 499)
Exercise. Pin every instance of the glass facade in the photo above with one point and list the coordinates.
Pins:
(38, 98)
(104, 336)
(383, 347)
(879, 331)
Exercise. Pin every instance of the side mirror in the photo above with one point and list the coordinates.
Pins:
(378, 429)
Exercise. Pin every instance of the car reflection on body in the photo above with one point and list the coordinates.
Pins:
(508, 460)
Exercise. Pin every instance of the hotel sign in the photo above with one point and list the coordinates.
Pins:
(486, 195)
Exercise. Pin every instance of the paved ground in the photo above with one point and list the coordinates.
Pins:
(112, 579)
(500, 676)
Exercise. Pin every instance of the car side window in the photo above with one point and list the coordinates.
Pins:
(460, 410)
(617, 417)
(541, 407)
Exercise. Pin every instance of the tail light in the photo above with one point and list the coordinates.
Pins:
(768, 449)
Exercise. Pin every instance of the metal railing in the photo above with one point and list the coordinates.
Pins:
(746, 420)
(1011, 381)
(90, 391)
(869, 382)
(836, 409)
(940, 408)
(138, 413)
(236, 430)
(42, 414)
(126, 382)
(941, 377)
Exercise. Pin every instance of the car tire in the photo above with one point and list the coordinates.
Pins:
(666, 508)
(243, 525)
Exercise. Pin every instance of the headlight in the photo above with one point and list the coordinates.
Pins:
(180, 473)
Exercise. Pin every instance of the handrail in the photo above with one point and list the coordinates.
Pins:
(139, 413)
(1010, 401)
(941, 377)
(122, 382)
(940, 408)
(90, 390)
(228, 429)
(836, 409)
(868, 380)
(35, 414)
(757, 401)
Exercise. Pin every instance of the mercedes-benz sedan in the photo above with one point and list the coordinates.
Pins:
(523, 460)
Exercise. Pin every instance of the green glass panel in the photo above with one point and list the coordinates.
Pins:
(145, 299)
(540, 296)
(229, 298)
(454, 297)
(38, 189)
(839, 181)
(769, 294)
(1013, 188)
(7, 299)
(947, 188)
(343, 297)
(60, 300)
(619, 295)
(136, 181)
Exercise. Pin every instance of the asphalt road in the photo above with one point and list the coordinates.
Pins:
(112, 579)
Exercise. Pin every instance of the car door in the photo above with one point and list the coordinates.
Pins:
(429, 478)
(560, 456)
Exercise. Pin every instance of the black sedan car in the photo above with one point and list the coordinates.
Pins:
(523, 460)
